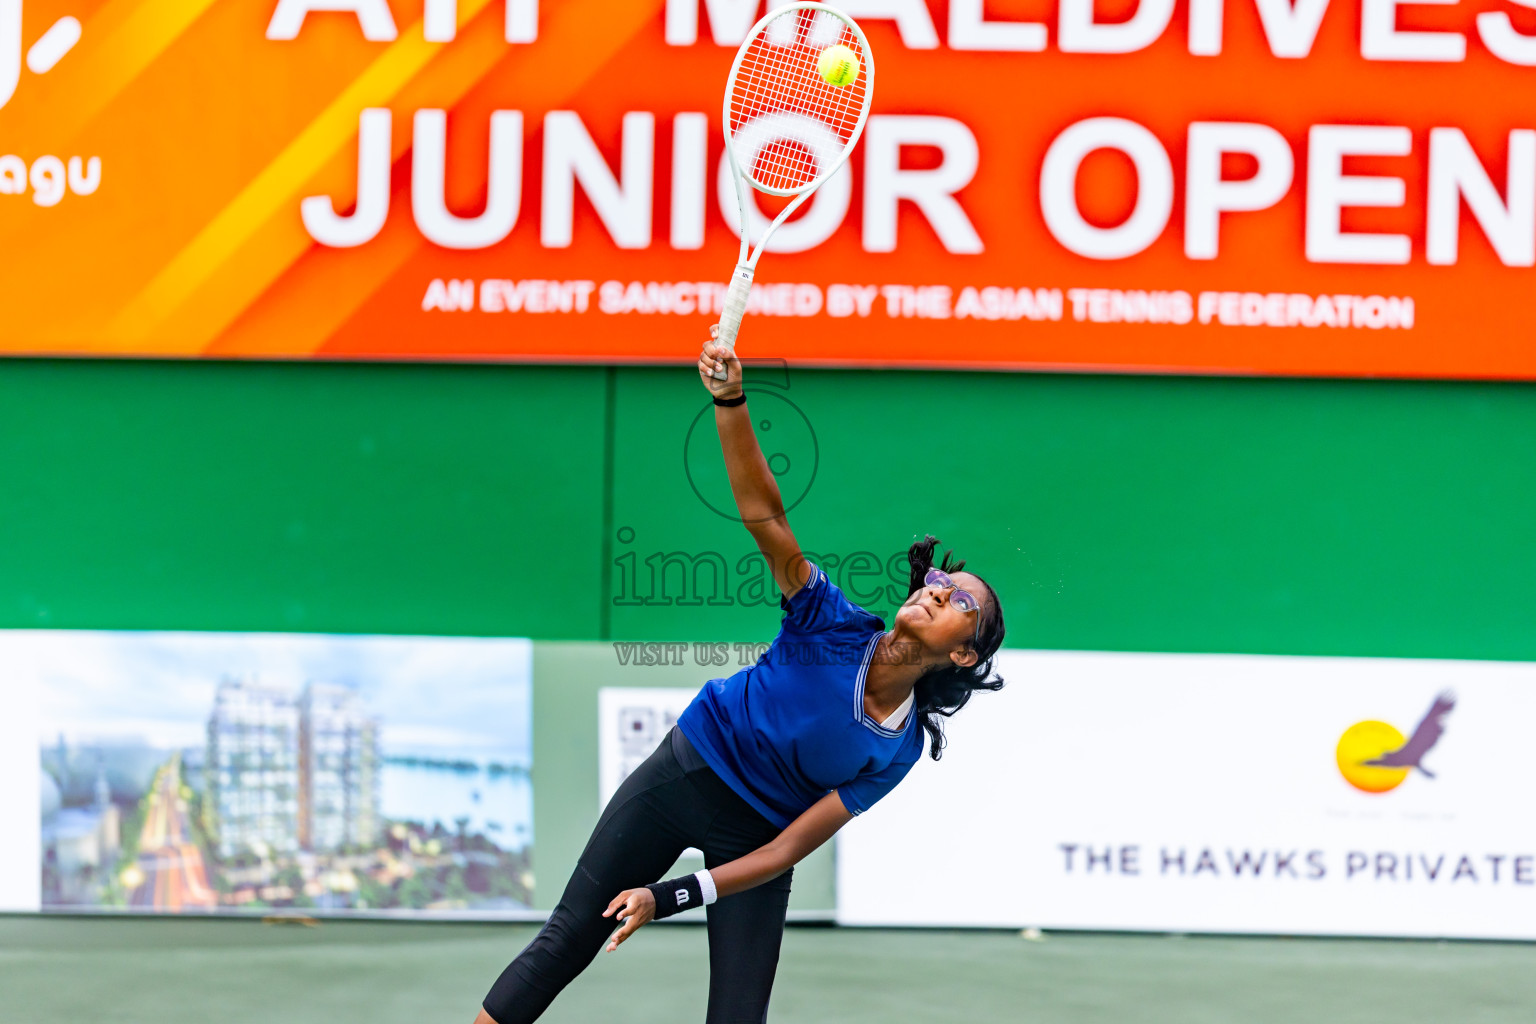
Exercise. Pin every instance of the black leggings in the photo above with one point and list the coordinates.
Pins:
(671, 802)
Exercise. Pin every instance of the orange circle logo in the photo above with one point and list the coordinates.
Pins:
(1375, 758)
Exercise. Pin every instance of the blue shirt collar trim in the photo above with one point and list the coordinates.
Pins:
(858, 696)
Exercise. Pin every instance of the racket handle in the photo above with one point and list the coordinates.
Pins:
(735, 308)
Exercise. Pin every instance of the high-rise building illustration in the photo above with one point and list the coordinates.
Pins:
(338, 770)
(252, 769)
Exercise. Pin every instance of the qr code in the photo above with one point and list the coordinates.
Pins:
(640, 731)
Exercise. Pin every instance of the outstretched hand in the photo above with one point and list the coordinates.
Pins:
(634, 907)
(714, 356)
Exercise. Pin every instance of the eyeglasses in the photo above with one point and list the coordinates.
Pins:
(961, 599)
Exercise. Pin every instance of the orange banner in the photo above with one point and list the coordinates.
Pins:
(1247, 186)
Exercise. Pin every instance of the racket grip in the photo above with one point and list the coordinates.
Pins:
(734, 309)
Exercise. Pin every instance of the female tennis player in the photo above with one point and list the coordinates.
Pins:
(763, 767)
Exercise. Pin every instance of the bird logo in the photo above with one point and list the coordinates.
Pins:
(1375, 757)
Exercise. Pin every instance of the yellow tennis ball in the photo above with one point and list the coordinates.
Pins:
(838, 65)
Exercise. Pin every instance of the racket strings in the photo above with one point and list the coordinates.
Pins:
(788, 78)
(779, 74)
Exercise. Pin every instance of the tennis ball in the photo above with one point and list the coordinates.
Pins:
(838, 65)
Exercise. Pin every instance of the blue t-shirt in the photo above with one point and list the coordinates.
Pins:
(785, 732)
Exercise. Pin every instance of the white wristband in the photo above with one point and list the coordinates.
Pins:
(706, 886)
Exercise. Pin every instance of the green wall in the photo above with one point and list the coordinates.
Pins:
(1136, 513)
(267, 496)
(1111, 513)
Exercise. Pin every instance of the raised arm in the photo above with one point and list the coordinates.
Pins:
(807, 832)
(752, 483)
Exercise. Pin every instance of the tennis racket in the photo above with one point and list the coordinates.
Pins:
(787, 127)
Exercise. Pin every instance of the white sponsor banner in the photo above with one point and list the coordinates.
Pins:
(1217, 793)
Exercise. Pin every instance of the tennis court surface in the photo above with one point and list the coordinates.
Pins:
(244, 972)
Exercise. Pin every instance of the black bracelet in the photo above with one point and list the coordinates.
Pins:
(738, 400)
(684, 893)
